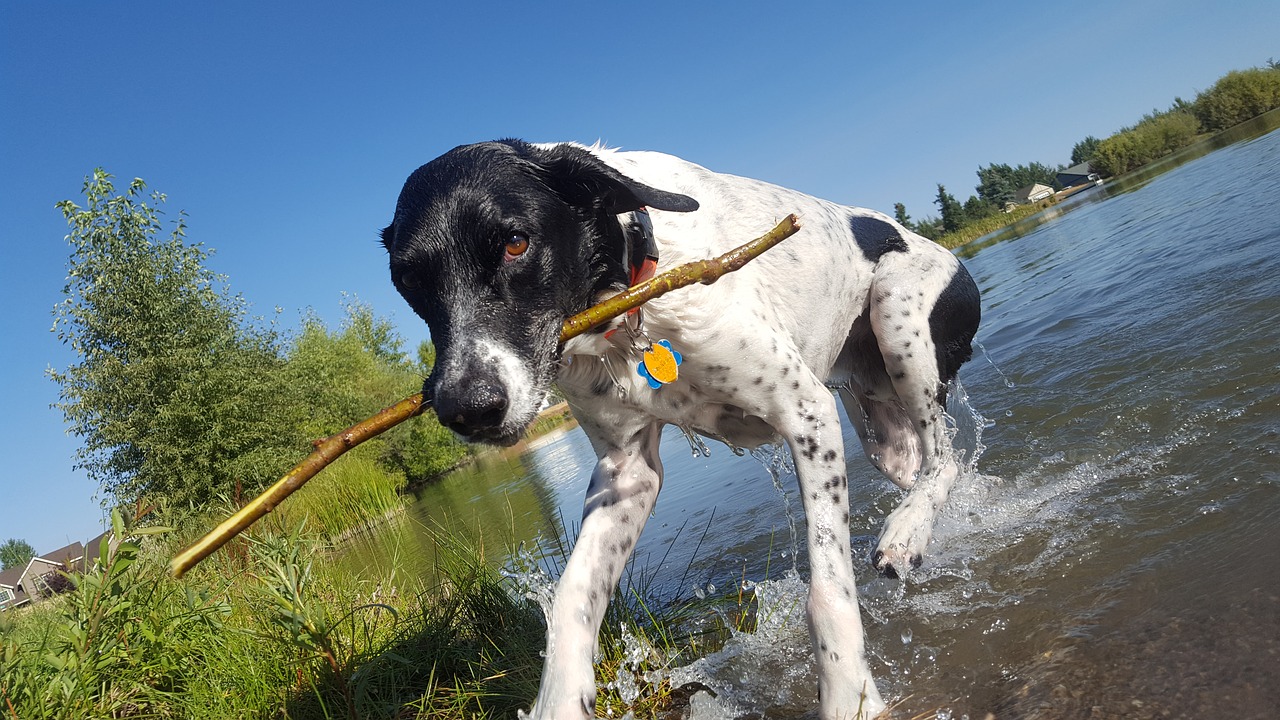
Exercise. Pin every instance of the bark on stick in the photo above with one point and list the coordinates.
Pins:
(331, 448)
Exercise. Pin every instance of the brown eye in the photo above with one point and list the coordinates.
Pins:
(516, 246)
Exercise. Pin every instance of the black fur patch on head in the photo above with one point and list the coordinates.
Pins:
(457, 216)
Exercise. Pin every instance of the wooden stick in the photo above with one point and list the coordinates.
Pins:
(331, 448)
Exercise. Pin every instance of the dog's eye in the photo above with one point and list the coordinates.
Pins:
(409, 281)
(516, 246)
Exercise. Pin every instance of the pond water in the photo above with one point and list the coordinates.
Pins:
(1114, 552)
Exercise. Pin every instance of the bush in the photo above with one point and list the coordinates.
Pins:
(1153, 138)
(1238, 96)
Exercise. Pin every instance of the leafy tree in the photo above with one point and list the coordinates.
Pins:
(1153, 138)
(175, 395)
(14, 553)
(344, 376)
(998, 183)
(951, 209)
(900, 214)
(1083, 150)
(976, 208)
(1238, 96)
(930, 227)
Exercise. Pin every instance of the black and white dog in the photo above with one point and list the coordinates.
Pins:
(495, 244)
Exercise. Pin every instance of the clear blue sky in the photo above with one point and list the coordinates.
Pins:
(285, 130)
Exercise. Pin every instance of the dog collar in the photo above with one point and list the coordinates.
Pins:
(642, 246)
(660, 362)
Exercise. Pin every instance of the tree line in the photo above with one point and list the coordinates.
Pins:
(181, 397)
(1236, 97)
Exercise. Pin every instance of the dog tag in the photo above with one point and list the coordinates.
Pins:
(661, 364)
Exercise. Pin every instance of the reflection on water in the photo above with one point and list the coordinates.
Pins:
(1112, 554)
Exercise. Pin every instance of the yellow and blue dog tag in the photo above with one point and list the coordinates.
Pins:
(660, 365)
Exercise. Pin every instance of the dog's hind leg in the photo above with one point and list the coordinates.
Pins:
(888, 440)
(923, 315)
(622, 493)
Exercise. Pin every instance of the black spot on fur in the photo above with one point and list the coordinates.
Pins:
(875, 237)
(829, 455)
(953, 323)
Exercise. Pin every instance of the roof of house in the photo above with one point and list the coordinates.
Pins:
(9, 577)
(75, 557)
(65, 556)
(1023, 194)
(1078, 169)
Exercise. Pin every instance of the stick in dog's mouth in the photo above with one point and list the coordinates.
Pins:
(331, 448)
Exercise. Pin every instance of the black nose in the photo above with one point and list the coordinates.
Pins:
(473, 408)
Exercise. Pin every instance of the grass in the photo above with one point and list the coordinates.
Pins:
(273, 629)
(976, 229)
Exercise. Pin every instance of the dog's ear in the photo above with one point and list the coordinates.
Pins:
(583, 180)
(388, 235)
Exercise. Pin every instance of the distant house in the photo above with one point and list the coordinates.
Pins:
(1077, 175)
(1031, 194)
(42, 575)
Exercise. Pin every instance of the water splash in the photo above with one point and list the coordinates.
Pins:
(696, 444)
(987, 356)
(769, 668)
(965, 429)
(531, 581)
(777, 461)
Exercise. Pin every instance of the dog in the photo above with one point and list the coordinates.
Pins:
(495, 244)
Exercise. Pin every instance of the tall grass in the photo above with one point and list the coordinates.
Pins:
(353, 492)
(989, 224)
(276, 629)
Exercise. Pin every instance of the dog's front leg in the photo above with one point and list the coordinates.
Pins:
(624, 487)
(812, 428)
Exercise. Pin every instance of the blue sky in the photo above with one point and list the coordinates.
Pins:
(285, 130)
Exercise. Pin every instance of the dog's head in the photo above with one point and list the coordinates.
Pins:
(494, 245)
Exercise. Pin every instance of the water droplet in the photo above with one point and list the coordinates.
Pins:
(1008, 413)
(906, 636)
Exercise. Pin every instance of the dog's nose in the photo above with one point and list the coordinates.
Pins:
(479, 406)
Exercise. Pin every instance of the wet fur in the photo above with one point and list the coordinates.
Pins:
(854, 300)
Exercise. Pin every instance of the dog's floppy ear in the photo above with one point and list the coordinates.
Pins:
(583, 180)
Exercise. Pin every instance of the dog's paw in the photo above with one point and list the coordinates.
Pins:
(901, 546)
(888, 563)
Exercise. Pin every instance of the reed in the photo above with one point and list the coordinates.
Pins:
(278, 629)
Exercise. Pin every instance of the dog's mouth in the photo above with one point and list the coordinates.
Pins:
(504, 435)
(482, 413)
(488, 392)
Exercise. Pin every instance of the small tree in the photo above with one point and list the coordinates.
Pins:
(951, 209)
(900, 214)
(15, 553)
(174, 394)
(1083, 150)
